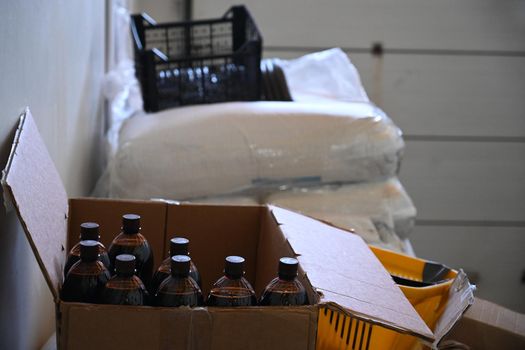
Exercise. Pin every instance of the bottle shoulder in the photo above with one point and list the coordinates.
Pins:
(88, 268)
(165, 266)
(284, 293)
(229, 283)
(75, 251)
(125, 282)
(285, 286)
(125, 239)
(193, 268)
(179, 285)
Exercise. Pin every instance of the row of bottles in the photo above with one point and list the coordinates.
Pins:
(176, 282)
(233, 289)
(90, 281)
(129, 241)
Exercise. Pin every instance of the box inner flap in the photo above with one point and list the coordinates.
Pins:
(342, 268)
(215, 232)
(40, 199)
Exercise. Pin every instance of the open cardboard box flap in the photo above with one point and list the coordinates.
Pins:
(40, 199)
(347, 275)
(339, 265)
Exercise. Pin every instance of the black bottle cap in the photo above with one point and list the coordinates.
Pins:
(180, 265)
(179, 246)
(288, 268)
(234, 266)
(125, 264)
(89, 231)
(89, 250)
(130, 223)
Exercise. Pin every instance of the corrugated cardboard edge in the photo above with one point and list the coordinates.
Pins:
(38, 195)
(460, 298)
(8, 198)
(411, 324)
(486, 325)
(498, 316)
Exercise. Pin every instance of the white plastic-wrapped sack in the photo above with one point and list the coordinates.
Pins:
(217, 149)
(386, 203)
(323, 76)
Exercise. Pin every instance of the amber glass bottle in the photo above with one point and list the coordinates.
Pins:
(130, 241)
(178, 246)
(232, 289)
(87, 277)
(88, 231)
(179, 288)
(125, 288)
(285, 290)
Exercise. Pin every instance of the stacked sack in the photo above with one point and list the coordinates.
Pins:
(248, 147)
(381, 212)
(335, 161)
(385, 203)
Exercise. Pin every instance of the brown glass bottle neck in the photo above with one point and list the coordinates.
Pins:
(287, 277)
(89, 259)
(124, 274)
(179, 274)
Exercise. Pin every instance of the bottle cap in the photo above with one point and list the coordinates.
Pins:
(180, 265)
(89, 250)
(288, 268)
(179, 246)
(89, 231)
(125, 264)
(130, 223)
(234, 266)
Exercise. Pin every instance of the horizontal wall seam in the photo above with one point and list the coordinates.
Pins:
(465, 138)
(402, 51)
(470, 223)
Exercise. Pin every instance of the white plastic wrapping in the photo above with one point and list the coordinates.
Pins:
(324, 75)
(120, 86)
(385, 203)
(227, 148)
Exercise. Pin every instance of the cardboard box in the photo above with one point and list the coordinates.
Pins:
(488, 326)
(337, 268)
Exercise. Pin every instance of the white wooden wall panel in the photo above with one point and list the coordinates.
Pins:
(494, 253)
(452, 95)
(466, 180)
(445, 95)
(412, 24)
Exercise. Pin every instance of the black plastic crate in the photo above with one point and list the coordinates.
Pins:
(197, 62)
